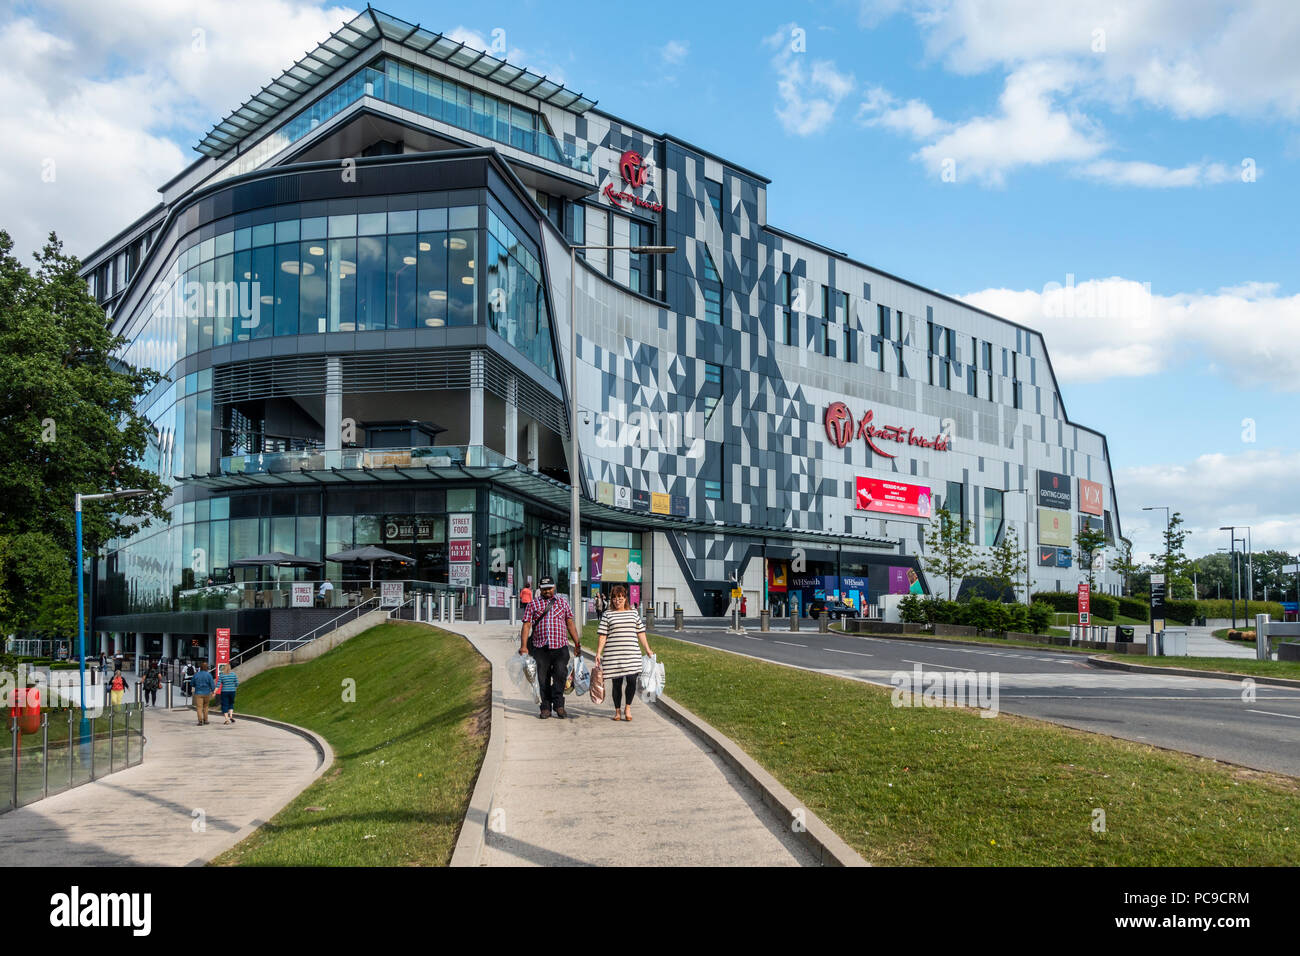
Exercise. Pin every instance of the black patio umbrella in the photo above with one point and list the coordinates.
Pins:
(369, 552)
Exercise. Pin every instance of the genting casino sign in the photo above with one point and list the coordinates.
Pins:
(841, 428)
(636, 173)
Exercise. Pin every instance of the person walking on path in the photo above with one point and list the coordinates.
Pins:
(601, 605)
(525, 599)
(550, 625)
(203, 688)
(227, 680)
(152, 681)
(117, 686)
(621, 630)
(187, 680)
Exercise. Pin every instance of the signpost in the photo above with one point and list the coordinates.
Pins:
(1157, 613)
(1085, 615)
(223, 646)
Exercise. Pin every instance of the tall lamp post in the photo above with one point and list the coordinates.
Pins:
(1232, 532)
(575, 548)
(81, 600)
(1168, 570)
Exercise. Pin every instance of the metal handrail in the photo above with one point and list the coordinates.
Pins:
(297, 642)
(399, 607)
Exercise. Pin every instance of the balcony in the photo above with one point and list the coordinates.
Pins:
(350, 465)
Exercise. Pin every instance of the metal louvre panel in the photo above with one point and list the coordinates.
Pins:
(266, 378)
(531, 399)
(407, 371)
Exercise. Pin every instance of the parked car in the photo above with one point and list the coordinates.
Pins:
(836, 609)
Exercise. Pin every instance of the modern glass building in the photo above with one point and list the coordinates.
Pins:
(359, 296)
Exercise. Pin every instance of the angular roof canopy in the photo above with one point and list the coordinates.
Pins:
(316, 67)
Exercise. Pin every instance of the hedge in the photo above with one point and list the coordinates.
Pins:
(1135, 607)
(1067, 602)
(1222, 608)
(992, 616)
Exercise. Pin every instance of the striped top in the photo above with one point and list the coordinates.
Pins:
(228, 682)
(622, 654)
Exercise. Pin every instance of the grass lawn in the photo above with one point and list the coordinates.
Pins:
(406, 753)
(923, 786)
(1228, 665)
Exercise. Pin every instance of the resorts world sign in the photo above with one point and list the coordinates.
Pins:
(842, 429)
(636, 173)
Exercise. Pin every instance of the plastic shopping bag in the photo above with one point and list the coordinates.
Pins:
(581, 676)
(522, 669)
(597, 685)
(651, 680)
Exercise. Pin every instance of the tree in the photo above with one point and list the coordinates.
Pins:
(1089, 542)
(1005, 564)
(68, 415)
(949, 553)
(1124, 566)
(1173, 564)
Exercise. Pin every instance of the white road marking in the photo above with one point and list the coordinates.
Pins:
(1271, 714)
(907, 660)
(836, 650)
(789, 644)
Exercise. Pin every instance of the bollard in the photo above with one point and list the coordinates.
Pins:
(70, 757)
(45, 754)
(482, 609)
(824, 621)
(765, 620)
(794, 619)
(678, 619)
(1262, 650)
(650, 616)
(513, 601)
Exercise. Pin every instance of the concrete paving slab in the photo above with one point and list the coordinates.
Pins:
(589, 791)
(239, 775)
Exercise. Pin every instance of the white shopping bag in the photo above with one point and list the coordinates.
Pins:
(581, 676)
(651, 680)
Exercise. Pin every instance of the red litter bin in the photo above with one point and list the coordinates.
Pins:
(27, 709)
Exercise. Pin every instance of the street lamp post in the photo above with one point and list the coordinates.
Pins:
(1232, 532)
(1169, 584)
(575, 549)
(81, 600)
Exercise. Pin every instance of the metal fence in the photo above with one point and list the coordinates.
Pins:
(60, 752)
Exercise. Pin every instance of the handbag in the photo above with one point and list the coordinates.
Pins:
(597, 684)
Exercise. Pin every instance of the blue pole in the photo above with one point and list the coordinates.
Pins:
(81, 624)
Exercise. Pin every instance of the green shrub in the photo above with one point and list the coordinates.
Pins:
(1134, 607)
(1040, 616)
(1222, 608)
(910, 610)
(1180, 612)
(1067, 602)
(1017, 618)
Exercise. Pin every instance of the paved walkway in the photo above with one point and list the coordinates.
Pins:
(589, 791)
(1201, 642)
(238, 775)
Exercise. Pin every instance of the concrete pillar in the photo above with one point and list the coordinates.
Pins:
(532, 446)
(476, 398)
(333, 403)
(139, 649)
(167, 650)
(512, 418)
(103, 643)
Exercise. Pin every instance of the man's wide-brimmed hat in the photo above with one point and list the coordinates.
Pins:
(546, 583)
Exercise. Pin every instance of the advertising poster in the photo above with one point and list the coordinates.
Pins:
(634, 565)
(605, 492)
(391, 593)
(1090, 497)
(892, 497)
(622, 496)
(634, 594)
(1095, 524)
(460, 526)
(898, 583)
(1054, 527)
(459, 574)
(1047, 556)
(615, 564)
(460, 552)
(777, 576)
(681, 506)
(640, 500)
(1064, 558)
(596, 565)
(302, 594)
(660, 504)
(1054, 490)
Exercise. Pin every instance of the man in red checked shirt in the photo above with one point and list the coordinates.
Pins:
(549, 621)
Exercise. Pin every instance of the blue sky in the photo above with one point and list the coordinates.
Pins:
(983, 149)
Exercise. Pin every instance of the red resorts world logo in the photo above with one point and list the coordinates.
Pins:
(842, 429)
(636, 173)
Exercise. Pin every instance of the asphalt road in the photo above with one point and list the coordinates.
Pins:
(1203, 716)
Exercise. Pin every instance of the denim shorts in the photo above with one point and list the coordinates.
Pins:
(227, 701)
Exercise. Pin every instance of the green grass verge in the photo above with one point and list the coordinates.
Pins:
(1247, 667)
(406, 753)
(922, 786)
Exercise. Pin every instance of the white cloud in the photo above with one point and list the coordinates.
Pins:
(913, 118)
(1215, 57)
(104, 91)
(1154, 176)
(1029, 130)
(1255, 488)
(808, 94)
(1113, 328)
(674, 51)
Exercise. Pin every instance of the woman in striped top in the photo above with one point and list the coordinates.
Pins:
(226, 684)
(620, 630)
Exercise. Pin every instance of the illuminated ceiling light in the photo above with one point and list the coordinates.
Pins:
(347, 267)
(408, 260)
(471, 263)
(316, 250)
(248, 275)
(267, 300)
(425, 247)
(434, 323)
(455, 242)
(438, 295)
(347, 326)
(467, 280)
(295, 268)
